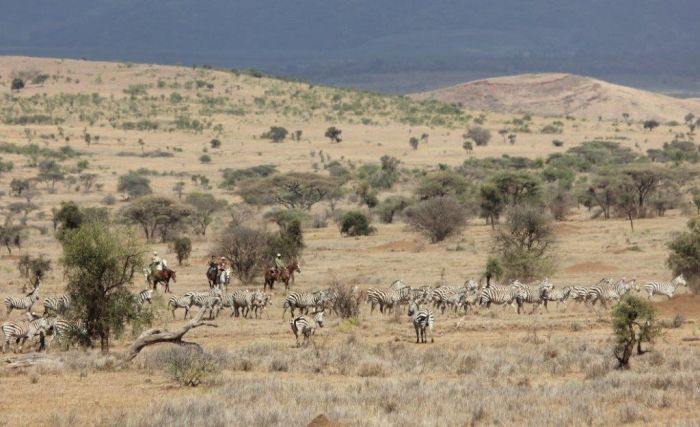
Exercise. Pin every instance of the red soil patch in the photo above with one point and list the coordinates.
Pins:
(590, 267)
(687, 305)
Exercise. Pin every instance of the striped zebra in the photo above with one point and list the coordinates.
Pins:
(388, 298)
(240, 302)
(533, 295)
(56, 305)
(608, 290)
(447, 295)
(495, 294)
(24, 303)
(422, 294)
(142, 298)
(22, 330)
(301, 326)
(665, 288)
(180, 302)
(64, 330)
(579, 294)
(560, 295)
(301, 300)
(207, 301)
(422, 322)
(260, 302)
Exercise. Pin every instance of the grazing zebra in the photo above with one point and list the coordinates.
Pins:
(23, 330)
(207, 302)
(64, 330)
(422, 321)
(607, 290)
(665, 288)
(182, 302)
(495, 294)
(301, 300)
(388, 298)
(301, 326)
(422, 294)
(560, 295)
(57, 305)
(24, 303)
(533, 295)
(142, 298)
(448, 295)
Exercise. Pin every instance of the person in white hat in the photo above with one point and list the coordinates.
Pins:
(279, 264)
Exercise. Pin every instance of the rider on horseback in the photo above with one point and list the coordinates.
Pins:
(157, 263)
(279, 264)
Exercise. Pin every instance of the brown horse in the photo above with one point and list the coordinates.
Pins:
(162, 276)
(284, 275)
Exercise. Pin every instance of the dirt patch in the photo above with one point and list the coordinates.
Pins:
(687, 305)
(565, 229)
(323, 421)
(402, 246)
(590, 267)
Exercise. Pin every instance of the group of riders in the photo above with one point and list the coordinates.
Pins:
(218, 271)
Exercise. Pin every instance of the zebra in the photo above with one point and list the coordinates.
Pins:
(495, 294)
(388, 298)
(301, 326)
(665, 288)
(207, 302)
(23, 330)
(260, 302)
(302, 301)
(579, 293)
(443, 296)
(25, 303)
(422, 321)
(142, 298)
(422, 294)
(182, 302)
(560, 295)
(64, 329)
(533, 295)
(57, 305)
(240, 299)
(607, 290)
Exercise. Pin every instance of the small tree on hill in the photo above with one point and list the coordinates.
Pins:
(100, 263)
(134, 185)
(650, 125)
(634, 322)
(246, 250)
(183, 248)
(204, 207)
(479, 135)
(156, 214)
(333, 133)
(276, 134)
(437, 217)
(684, 256)
(413, 142)
(17, 85)
(355, 223)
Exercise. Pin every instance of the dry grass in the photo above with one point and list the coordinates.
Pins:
(489, 368)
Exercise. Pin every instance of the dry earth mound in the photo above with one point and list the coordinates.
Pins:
(555, 94)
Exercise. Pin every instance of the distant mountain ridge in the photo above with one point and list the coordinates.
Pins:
(386, 45)
(560, 94)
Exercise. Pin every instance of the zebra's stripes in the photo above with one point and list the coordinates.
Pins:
(533, 295)
(142, 298)
(665, 288)
(22, 330)
(495, 294)
(560, 295)
(23, 303)
(301, 300)
(240, 302)
(388, 298)
(302, 326)
(57, 305)
(422, 322)
(180, 302)
(64, 330)
(608, 290)
(260, 302)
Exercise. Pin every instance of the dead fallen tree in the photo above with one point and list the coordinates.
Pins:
(155, 336)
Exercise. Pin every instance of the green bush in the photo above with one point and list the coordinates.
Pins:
(183, 248)
(205, 158)
(355, 223)
(188, 366)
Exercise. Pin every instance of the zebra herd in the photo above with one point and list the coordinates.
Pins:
(421, 301)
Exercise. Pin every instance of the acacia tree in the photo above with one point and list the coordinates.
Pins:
(156, 213)
(684, 256)
(100, 262)
(492, 203)
(524, 243)
(437, 218)
(634, 322)
(295, 190)
(333, 133)
(204, 206)
(134, 185)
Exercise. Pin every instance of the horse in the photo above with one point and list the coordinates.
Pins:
(216, 277)
(161, 276)
(283, 276)
(212, 276)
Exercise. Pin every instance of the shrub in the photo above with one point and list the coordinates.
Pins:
(479, 135)
(246, 249)
(558, 143)
(684, 256)
(205, 158)
(333, 133)
(215, 143)
(276, 134)
(437, 217)
(346, 304)
(634, 322)
(109, 200)
(183, 248)
(134, 185)
(387, 209)
(188, 366)
(355, 223)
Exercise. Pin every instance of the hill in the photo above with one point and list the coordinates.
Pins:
(558, 94)
(374, 43)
